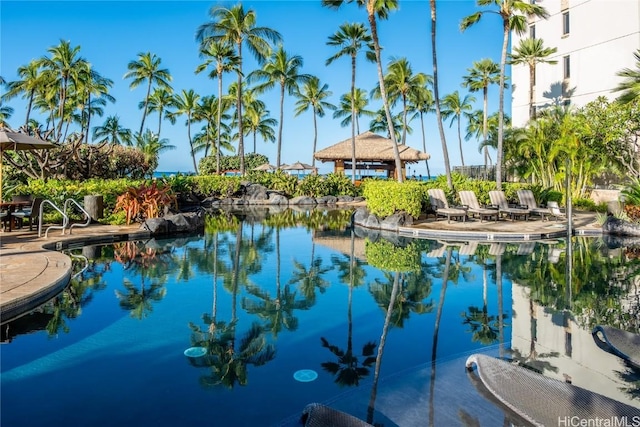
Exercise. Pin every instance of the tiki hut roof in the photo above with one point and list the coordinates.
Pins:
(369, 147)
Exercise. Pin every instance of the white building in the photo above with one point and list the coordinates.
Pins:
(595, 40)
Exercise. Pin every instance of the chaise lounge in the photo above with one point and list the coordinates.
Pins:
(470, 201)
(499, 199)
(527, 199)
(441, 207)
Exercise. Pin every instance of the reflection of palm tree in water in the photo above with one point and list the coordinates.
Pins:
(347, 369)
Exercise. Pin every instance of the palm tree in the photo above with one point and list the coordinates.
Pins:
(421, 103)
(138, 302)
(481, 75)
(186, 103)
(436, 96)
(161, 100)
(235, 26)
(207, 110)
(91, 83)
(378, 124)
(532, 52)
(631, 83)
(351, 39)
(514, 15)
(147, 68)
(258, 122)
(152, 146)
(30, 83)
(454, 108)
(344, 109)
(280, 69)
(313, 96)
(112, 132)
(401, 83)
(5, 114)
(225, 60)
(63, 67)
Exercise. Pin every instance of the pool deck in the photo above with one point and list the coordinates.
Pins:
(32, 271)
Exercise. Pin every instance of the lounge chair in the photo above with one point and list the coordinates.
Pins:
(470, 201)
(440, 205)
(554, 211)
(527, 199)
(621, 343)
(317, 415)
(540, 400)
(500, 200)
(32, 213)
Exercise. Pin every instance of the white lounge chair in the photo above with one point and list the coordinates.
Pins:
(499, 199)
(470, 201)
(440, 205)
(555, 211)
(526, 198)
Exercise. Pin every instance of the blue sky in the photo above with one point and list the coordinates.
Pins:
(112, 33)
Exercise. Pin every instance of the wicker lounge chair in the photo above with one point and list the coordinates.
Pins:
(500, 200)
(440, 205)
(317, 415)
(527, 199)
(468, 198)
(544, 401)
(621, 343)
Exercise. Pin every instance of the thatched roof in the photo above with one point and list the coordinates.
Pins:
(369, 147)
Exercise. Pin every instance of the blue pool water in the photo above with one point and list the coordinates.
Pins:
(285, 298)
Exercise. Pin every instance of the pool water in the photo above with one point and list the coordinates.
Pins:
(254, 319)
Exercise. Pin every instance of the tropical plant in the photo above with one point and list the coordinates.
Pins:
(630, 86)
(160, 100)
(514, 15)
(258, 122)
(237, 27)
(421, 103)
(455, 108)
(344, 109)
(146, 201)
(186, 103)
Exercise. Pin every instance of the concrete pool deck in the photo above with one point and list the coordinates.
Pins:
(32, 270)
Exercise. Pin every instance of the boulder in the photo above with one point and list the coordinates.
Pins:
(618, 227)
(393, 222)
(256, 194)
(277, 199)
(155, 226)
(345, 199)
(327, 200)
(303, 200)
(178, 223)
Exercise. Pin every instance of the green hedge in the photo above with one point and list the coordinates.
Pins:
(384, 198)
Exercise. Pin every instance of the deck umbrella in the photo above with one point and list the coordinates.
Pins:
(265, 167)
(16, 141)
(298, 166)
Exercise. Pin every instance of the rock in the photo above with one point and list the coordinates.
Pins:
(155, 225)
(178, 223)
(327, 200)
(618, 227)
(303, 200)
(393, 222)
(256, 194)
(345, 199)
(277, 199)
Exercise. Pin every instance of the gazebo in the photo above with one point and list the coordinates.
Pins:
(373, 152)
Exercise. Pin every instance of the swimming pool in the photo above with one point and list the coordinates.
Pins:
(303, 293)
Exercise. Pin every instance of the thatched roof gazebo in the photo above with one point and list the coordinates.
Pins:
(373, 152)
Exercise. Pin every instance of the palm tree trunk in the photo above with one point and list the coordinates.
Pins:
(485, 125)
(193, 155)
(424, 143)
(63, 99)
(315, 138)
(146, 103)
(239, 107)
(503, 64)
(218, 120)
(353, 118)
(383, 90)
(159, 122)
(32, 94)
(88, 107)
(460, 142)
(532, 73)
(404, 119)
(445, 151)
(280, 124)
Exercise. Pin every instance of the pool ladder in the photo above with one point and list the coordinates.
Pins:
(65, 217)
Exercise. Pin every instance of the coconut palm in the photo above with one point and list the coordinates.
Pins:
(630, 86)
(207, 111)
(421, 103)
(378, 124)
(152, 146)
(454, 108)
(186, 103)
(237, 27)
(27, 87)
(344, 109)
(351, 39)
(313, 96)
(160, 101)
(92, 92)
(223, 57)
(514, 15)
(481, 75)
(111, 131)
(5, 114)
(532, 52)
(147, 69)
(401, 83)
(283, 70)
(258, 122)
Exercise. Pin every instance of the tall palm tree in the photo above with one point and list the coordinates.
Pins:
(258, 122)
(235, 26)
(351, 39)
(5, 113)
(160, 101)
(378, 124)
(344, 109)
(207, 111)
(401, 83)
(186, 103)
(221, 53)
(481, 75)
(280, 69)
(436, 95)
(112, 132)
(454, 108)
(421, 103)
(92, 92)
(381, 10)
(29, 84)
(313, 96)
(63, 67)
(631, 83)
(532, 52)
(152, 146)
(514, 15)
(147, 69)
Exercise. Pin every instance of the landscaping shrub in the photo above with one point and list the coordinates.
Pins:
(384, 198)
